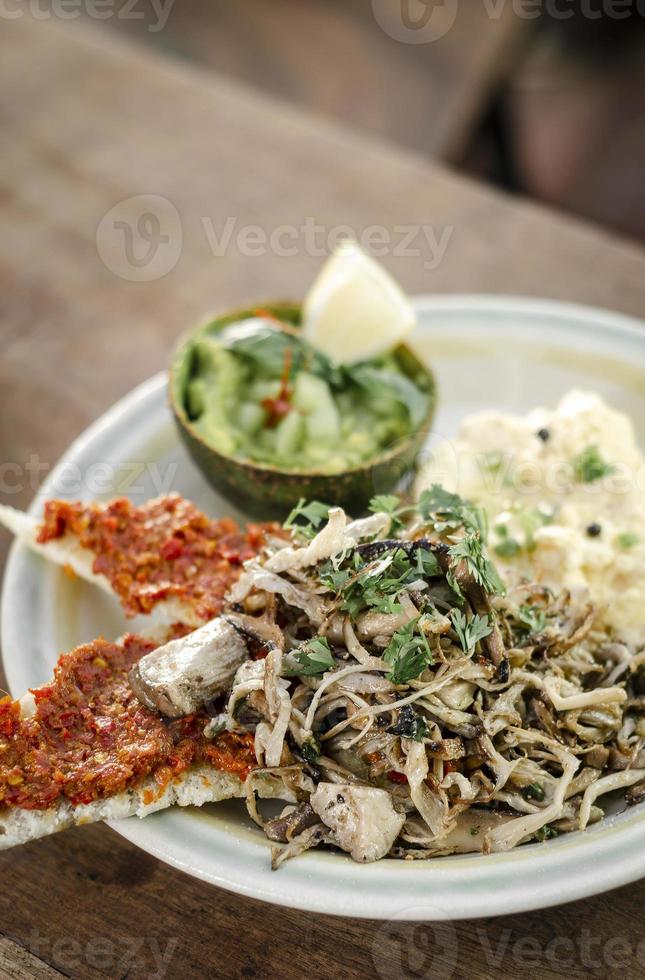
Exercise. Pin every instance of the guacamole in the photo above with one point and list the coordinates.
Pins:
(258, 392)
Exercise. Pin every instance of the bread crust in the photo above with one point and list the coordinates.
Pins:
(68, 553)
(195, 787)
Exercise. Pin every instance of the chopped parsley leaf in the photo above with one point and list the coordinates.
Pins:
(493, 461)
(628, 539)
(544, 833)
(376, 584)
(470, 633)
(533, 618)
(307, 518)
(311, 750)
(508, 548)
(390, 504)
(410, 724)
(408, 653)
(447, 511)
(313, 657)
(589, 466)
(530, 519)
(426, 563)
(470, 550)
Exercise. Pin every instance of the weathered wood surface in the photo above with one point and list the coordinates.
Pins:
(334, 58)
(86, 124)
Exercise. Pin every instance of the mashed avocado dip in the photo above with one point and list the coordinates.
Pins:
(259, 392)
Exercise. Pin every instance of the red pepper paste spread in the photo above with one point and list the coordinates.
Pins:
(90, 736)
(165, 548)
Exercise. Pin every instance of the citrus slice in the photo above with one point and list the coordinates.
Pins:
(355, 310)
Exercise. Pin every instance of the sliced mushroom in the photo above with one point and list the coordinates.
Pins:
(291, 822)
(363, 820)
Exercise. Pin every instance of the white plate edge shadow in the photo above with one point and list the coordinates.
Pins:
(570, 867)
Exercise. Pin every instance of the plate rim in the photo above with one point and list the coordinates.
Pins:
(611, 848)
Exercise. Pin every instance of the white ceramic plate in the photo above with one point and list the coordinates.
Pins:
(500, 352)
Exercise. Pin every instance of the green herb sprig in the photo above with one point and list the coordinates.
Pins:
(470, 632)
(306, 519)
(390, 504)
(408, 653)
(627, 540)
(589, 466)
(533, 618)
(313, 657)
(470, 550)
(311, 750)
(447, 511)
(376, 584)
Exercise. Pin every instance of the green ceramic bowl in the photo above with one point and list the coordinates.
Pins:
(267, 491)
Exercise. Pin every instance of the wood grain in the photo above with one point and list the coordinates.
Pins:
(332, 57)
(19, 964)
(89, 123)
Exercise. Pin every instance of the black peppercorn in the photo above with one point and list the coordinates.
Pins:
(544, 435)
(594, 530)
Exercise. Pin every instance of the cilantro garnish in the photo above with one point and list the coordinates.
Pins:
(470, 550)
(470, 632)
(390, 504)
(378, 583)
(311, 750)
(508, 548)
(628, 539)
(307, 518)
(533, 618)
(387, 503)
(589, 465)
(544, 833)
(313, 657)
(266, 347)
(530, 520)
(447, 511)
(426, 563)
(493, 461)
(408, 653)
(379, 381)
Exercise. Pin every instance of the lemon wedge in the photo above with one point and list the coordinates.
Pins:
(355, 310)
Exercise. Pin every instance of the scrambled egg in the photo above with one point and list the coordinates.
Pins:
(564, 492)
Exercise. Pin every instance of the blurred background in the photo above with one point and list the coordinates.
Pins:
(542, 97)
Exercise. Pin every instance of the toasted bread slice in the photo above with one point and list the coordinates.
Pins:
(83, 748)
(145, 561)
(195, 787)
(67, 552)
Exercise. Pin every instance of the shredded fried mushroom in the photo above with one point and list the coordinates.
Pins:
(419, 708)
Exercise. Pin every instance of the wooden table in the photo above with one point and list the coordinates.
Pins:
(87, 123)
(334, 58)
